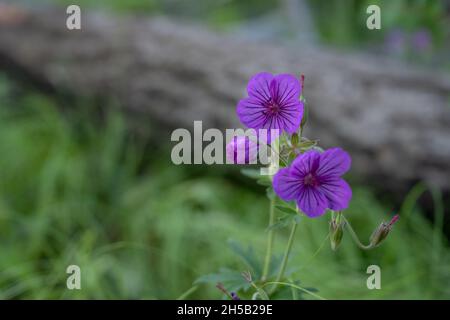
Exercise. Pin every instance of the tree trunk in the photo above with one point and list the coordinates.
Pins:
(394, 119)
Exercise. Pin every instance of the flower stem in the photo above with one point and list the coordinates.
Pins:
(286, 256)
(187, 293)
(269, 241)
(355, 236)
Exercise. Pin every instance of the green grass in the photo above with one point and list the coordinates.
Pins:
(76, 192)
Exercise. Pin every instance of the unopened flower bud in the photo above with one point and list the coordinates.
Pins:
(247, 276)
(242, 150)
(234, 296)
(382, 231)
(231, 295)
(336, 232)
(294, 140)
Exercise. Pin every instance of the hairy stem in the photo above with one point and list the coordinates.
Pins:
(270, 237)
(286, 256)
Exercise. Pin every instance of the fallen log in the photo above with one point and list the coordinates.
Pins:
(393, 118)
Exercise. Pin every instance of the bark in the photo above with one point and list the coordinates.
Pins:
(393, 118)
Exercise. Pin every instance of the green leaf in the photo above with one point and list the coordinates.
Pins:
(270, 193)
(252, 173)
(231, 279)
(248, 256)
(307, 144)
(285, 221)
(286, 209)
(282, 222)
(294, 139)
(264, 182)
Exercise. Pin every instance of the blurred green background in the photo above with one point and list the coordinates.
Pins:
(77, 189)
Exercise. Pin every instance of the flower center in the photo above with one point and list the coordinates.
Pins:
(311, 180)
(272, 108)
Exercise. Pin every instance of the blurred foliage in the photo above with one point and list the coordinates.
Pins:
(131, 6)
(340, 21)
(217, 13)
(413, 30)
(75, 191)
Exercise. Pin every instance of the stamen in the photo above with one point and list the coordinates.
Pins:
(272, 107)
(311, 180)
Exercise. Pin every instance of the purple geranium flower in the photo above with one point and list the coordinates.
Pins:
(422, 40)
(314, 181)
(395, 42)
(242, 150)
(272, 103)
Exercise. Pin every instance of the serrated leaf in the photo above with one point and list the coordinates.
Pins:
(282, 222)
(248, 256)
(285, 221)
(231, 279)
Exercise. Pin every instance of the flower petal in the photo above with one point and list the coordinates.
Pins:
(334, 162)
(291, 116)
(259, 86)
(242, 150)
(338, 193)
(312, 202)
(305, 163)
(251, 113)
(285, 88)
(286, 186)
(266, 136)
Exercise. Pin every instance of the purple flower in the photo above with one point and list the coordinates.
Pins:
(272, 103)
(314, 181)
(395, 42)
(242, 150)
(421, 40)
(234, 296)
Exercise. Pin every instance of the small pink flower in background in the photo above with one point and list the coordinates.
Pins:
(421, 40)
(242, 150)
(314, 181)
(400, 42)
(272, 103)
(396, 42)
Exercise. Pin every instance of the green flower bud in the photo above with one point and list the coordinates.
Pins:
(305, 116)
(336, 231)
(294, 140)
(382, 231)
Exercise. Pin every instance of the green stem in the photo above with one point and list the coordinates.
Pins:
(296, 287)
(269, 241)
(187, 293)
(355, 236)
(286, 256)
